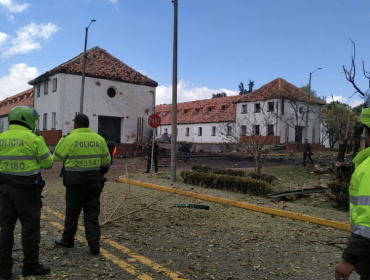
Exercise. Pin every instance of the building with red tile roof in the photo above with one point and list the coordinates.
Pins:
(117, 98)
(276, 110)
(25, 98)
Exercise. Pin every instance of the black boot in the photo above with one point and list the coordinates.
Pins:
(38, 269)
(95, 249)
(64, 243)
(147, 171)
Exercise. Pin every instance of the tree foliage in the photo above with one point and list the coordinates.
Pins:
(312, 92)
(218, 95)
(357, 110)
(334, 116)
(242, 90)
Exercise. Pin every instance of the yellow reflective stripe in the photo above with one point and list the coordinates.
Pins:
(17, 157)
(23, 173)
(58, 156)
(82, 168)
(360, 230)
(84, 156)
(45, 156)
(363, 200)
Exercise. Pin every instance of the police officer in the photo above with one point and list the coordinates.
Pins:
(22, 155)
(86, 159)
(357, 254)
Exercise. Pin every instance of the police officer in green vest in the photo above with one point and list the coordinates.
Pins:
(86, 159)
(23, 153)
(357, 254)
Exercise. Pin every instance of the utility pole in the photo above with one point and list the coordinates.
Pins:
(308, 104)
(174, 99)
(83, 71)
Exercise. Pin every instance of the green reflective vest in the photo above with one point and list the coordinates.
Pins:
(22, 152)
(359, 192)
(82, 150)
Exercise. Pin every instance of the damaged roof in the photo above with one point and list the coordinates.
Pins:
(221, 109)
(224, 109)
(279, 88)
(99, 64)
(25, 99)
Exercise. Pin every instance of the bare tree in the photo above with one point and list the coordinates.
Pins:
(254, 133)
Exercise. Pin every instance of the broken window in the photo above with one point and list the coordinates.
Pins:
(229, 130)
(55, 84)
(213, 131)
(46, 87)
(270, 107)
(270, 130)
(256, 130)
(243, 131)
(187, 132)
(199, 131)
(244, 109)
(257, 107)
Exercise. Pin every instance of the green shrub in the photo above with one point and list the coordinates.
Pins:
(226, 182)
(209, 169)
(263, 177)
(340, 192)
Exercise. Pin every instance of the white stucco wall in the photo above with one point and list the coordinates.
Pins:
(194, 136)
(130, 103)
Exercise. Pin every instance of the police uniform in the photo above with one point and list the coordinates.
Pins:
(86, 158)
(357, 253)
(22, 155)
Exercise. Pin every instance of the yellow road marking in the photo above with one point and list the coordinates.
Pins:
(157, 267)
(281, 213)
(129, 268)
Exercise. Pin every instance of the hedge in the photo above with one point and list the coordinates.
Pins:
(341, 194)
(262, 176)
(226, 182)
(209, 169)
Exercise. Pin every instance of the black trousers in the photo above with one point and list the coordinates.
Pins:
(155, 160)
(17, 203)
(305, 156)
(86, 197)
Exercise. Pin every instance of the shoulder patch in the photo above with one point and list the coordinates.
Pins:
(64, 136)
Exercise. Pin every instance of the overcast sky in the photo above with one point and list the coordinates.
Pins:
(220, 42)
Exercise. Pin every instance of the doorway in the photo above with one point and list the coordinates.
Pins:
(110, 127)
(298, 134)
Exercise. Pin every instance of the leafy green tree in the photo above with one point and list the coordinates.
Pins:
(335, 116)
(357, 110)
(313, 92)
(220, 94)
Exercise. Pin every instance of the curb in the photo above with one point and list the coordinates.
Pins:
(266, 210)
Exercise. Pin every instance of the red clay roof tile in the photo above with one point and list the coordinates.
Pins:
(4, 110)
(99, 64)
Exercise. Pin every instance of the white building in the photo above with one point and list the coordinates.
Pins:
(117, 99)
(277, 111)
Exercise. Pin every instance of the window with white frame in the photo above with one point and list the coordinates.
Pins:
(213, 131)
(199, 131)
(38, 90)
(243, 130)
(244, 108)
(187, 131)
(256, 130)
(45, 121)
(257, 107)
(55, 84)
(229, 130)
(46, 87)
(53, 120)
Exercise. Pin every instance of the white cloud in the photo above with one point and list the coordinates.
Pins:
(186, 92)
(13, 7)
(3, 38)
(351, 102)
(17, 80)
(26, 38)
